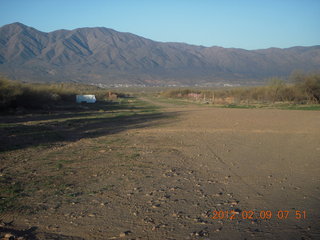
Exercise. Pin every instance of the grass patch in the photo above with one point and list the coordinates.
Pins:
(176, 101)
(46, 129)
(275, 106)
(10, 192)
(241, 106)
(301, 107)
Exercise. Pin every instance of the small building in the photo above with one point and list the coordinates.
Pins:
(85, 98)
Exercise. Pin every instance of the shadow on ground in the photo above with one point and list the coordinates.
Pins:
(33, 234)
(66, 111)
(23, 131)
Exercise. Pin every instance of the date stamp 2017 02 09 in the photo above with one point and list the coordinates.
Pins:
(263, 214)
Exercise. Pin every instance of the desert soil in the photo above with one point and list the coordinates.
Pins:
(164, 178)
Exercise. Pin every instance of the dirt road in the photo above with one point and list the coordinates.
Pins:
(202, 173)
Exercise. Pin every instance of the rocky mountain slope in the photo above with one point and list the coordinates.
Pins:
(102, 55)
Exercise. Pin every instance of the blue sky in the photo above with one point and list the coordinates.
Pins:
(248, 24)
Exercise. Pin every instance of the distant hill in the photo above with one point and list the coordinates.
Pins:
(102, 55)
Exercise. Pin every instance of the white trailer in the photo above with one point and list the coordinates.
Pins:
(85, 98)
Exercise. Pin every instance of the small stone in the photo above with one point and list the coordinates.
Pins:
(234, 202)
(123, 234)
(203, 233)
(9, 236)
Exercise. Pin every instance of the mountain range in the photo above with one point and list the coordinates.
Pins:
(102, 55)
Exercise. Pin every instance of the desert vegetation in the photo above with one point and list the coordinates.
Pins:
(70, 171)
(16, 95)
(302, 89)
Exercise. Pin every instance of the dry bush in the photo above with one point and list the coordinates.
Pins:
(309, 86)
(306, 89)
(15, 94)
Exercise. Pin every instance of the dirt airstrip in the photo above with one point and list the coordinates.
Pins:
(199, 173)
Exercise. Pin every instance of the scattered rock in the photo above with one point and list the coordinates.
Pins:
(235, 202)
(123, 234)
(148, 220)
(229, 195)
(9, 236)
(202, 233)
